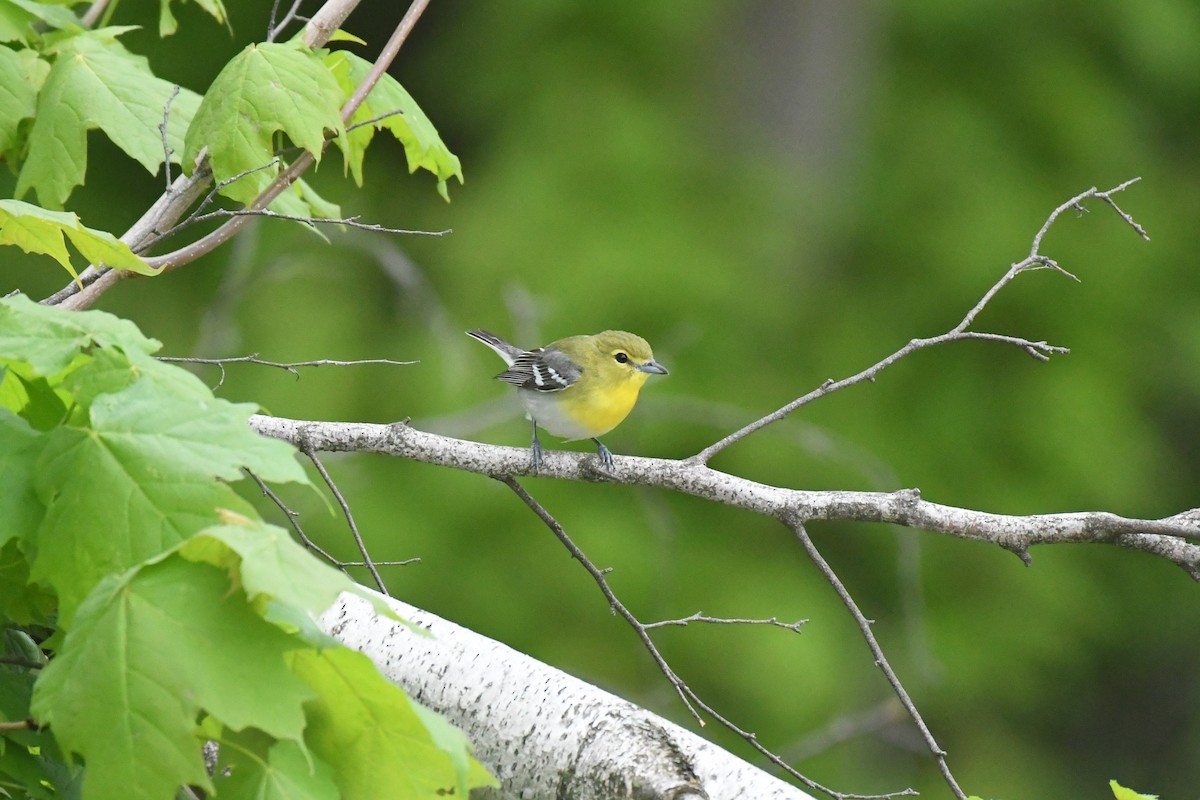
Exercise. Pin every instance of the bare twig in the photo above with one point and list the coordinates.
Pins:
(700, 617)
(373, 120)
(291, 367)
(362, 547)
(349, 222)
(19, 725)
(1039, 350)
(162, 132)
(598, 575)
(864, 625)
(293, 518)
(329, 17)
(690, 699)
(275, 28)
(93, 13)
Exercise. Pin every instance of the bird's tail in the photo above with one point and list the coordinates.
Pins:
(508, 352)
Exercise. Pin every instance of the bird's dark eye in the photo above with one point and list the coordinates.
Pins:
(621, 358)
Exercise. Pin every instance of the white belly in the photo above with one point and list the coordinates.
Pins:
(543, 408)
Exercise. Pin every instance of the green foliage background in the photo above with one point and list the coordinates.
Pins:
(772, 193)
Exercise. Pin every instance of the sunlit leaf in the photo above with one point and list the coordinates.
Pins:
(423, 147)
(158, 645)
(96, 83)
(265, 90)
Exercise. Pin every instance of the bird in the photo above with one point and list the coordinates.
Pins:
(578, 387)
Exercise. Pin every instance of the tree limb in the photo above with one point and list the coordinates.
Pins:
(1167, 538)
(173, 204)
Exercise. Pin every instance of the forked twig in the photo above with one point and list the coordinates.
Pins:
(864, 625)
(1038, 350)
(691, 700)
(358, 540)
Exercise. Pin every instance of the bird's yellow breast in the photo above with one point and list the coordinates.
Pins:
(583, 411)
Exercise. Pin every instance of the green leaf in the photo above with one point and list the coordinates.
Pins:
(31, 397)
(423, 147)
(20, 18)
(37, 230)
(96, 83)
(273, 568)
(186, 436)
(455, 744)
(160, 644)
(50, 339)
(149, 459)
(368, 730)
(1121, 793)
(343, 36)
(139, 466)
(255, 765)
(143, 515)
(18, 643)
(22, 767)
(167, 24)
(20, 601)
(18, 99)
(264, 90)
(20, 446)
(51, 14)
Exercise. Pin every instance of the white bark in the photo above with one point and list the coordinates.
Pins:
(545, 734)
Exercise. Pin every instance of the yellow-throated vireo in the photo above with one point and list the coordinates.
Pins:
(579, 387)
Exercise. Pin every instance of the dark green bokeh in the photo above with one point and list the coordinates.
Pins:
(773, 193)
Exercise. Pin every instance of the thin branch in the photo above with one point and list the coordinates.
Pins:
(292, 173)
(326, 22)
(1039, 350)
(162, 132)
(293, 518)
(92, 15)
(700, 617)
(362, 547)
(690, 699)
(350, 222)
(373, 120)
(184, 191)
(864, 625)
(157, 236)
(291, 367)
(615, 604)
(386, 57)
(275, 28)
(19, 725)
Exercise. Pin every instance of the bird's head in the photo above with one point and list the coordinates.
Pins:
(627, 354)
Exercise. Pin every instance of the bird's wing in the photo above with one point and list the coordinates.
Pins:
(542, 370)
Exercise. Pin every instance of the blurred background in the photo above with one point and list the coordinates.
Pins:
(773, 192)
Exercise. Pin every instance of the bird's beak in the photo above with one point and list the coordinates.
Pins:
(654, 367)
